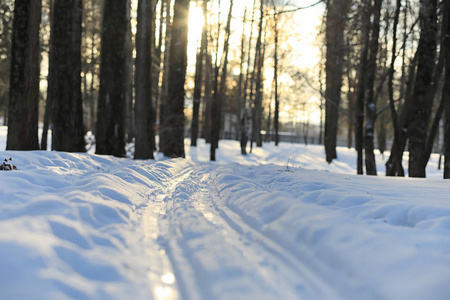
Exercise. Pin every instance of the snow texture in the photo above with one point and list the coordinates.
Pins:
(84, 226)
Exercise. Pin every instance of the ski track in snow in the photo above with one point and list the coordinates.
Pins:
(236, 253)
(97, 227)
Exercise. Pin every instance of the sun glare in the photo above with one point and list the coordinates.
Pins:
(195, 26)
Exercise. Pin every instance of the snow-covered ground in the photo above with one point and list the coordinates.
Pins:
(277, 224)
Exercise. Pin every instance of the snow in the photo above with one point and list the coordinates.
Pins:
(276, 224)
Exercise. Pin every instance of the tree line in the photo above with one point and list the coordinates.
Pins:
(122, 74)
(388, 58)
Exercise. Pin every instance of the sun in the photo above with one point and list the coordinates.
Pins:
(195, 25)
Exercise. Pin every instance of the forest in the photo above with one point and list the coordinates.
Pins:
(119, 70)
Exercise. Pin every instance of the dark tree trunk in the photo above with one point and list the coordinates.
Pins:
(255, 80)
(129, 64)
(64, 89)
(143, 102)
(259, 63)
(275, 79)
(421, 101)
(24, 77)
(219, 95)
(48, 104)
(351, 103)
(242, 102)
(174, 115)
(446, 96)
(371, 112)
(110, 132)
(164, 81)
(199, 78)
(362, 84)
(394, 164)
(437, 86)
(245, 126)
(206, 128)
(335, 27)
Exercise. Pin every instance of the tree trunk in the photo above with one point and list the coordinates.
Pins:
(174, 112)
(24, 77)
(275, 79)
(335, 27)
(143, 102)
(164, 81)
(392, 167)
(371, 112)
(446, 96)
(219, 96)
(259, 63)
(247, 102)
(255, 80)
(242, 102)
(48, 104)
(421, 101)
(362, 84)
(199, 78)
(437, 86)
(129, 115)
(110, 132)
(64, 87)
(206, 128)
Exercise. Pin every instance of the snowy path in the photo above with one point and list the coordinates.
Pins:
(210, 244)
(80, 226)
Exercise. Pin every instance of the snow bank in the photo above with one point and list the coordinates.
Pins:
(84, 226)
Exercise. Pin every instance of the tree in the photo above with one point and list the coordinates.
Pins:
(362, 84)
(199, 78)
(24, 77)
(174, 115)
(110, 131)
(64, 86)
(219, 94)
(143, 103)
(242, 102)
(6, 20)
(257, 98)
(245, 128)
(422, 102)
(369, 92)
(165, 76)
(446, 94)
(335, 28)
(393, 166)
(275, 76)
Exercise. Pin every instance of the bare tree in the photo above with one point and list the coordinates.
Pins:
(446, 94)
(336, 17)
(174, 115)
(422, 102)
(6, 20)
(219, 95)
(143, 102)
(110, 132)
(64, 86)
(199, 77)
(24, 77)
(371, 112)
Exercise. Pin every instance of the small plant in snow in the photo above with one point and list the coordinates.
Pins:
(7, 165)
(287, 167)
